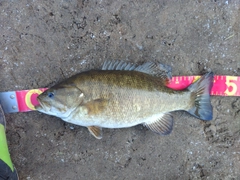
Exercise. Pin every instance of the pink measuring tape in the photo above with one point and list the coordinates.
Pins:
(25, 100)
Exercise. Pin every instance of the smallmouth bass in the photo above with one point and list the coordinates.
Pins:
(121, 95)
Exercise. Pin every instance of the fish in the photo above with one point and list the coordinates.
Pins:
(122, 95)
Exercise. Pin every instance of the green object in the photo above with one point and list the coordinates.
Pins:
(4, 153)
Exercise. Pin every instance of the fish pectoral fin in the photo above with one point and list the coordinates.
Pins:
(163, 125)
(95, 131)
(96, 106)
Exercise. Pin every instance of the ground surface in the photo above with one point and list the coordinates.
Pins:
(44, 42)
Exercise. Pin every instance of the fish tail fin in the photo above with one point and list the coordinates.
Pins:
(200, 92)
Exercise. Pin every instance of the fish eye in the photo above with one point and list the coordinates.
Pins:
(50, 94)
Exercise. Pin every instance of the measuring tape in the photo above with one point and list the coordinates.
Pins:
(25, 100)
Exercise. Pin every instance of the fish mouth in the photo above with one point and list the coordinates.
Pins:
(38, 107)
(41, 107)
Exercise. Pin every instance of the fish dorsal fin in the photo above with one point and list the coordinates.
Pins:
(118, 65)
(95, 131)
(163, 125)
(164, 72)
(156, 69)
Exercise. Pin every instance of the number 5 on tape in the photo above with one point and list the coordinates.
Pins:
(226, 86)
(231, 82)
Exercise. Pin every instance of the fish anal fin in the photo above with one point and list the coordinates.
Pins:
(96, 106)
(163, 125)
(95, 131)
